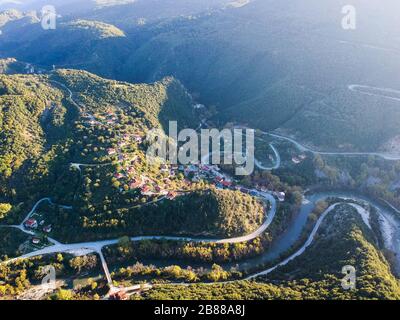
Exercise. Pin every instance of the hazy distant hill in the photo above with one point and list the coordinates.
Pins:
(63, 6)
(121, 12)
(279, 66)
(26, 100)
(269, 64)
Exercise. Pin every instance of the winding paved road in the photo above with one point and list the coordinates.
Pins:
(364, 214)
(277, 165)
(258, 164)
(362, 90)
(303, 148)
(359, 89)
(97, 246)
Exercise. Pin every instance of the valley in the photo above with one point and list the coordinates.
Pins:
(248, 266)
(97, 247)
(78, 193)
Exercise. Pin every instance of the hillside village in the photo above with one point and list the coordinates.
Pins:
(192, 174)
(170, 182)
(116, 184)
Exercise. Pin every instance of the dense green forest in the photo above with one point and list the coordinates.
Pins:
(127, 253)
(211, 213)
(98, 29)
(38, 121)
(31, 111)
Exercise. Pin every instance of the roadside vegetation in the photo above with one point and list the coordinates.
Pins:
(11, 241)
(104, 123)
(19, 277)
(317, 274)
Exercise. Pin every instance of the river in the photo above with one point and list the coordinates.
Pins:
(389, 222)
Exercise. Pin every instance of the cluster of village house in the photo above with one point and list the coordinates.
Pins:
(146, 185)
(193, 173)
(30, 69)
(213, 174)
(90, 120)
(111, 119)
(33, 225)
(299, 159)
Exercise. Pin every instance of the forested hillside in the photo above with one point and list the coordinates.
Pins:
(44, 129)
(78, 99)
(121, 12)
(343, 240)
(282, 69)
(24, 100)
(218, 214)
